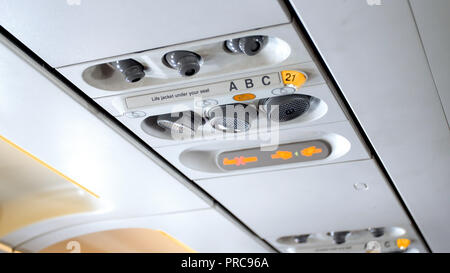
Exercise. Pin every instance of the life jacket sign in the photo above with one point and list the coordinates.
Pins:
(230, 87)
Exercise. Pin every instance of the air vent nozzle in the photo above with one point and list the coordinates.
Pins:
(186, 62)
(131, 69)
(250, 45)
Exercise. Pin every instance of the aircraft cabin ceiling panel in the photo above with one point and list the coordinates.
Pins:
(201, 87)
(286, 202)
(282, 47)
(74, 31)
(432, 19)
(37, 115)
(375, 54)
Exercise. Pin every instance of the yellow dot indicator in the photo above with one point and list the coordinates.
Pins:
(292, 77)
(244, 97)
(403, 243)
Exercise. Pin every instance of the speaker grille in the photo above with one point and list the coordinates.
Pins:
(175, 127)
(286, 108)
(292, 109)
(232, 124)
(233, 118)
(183, 124)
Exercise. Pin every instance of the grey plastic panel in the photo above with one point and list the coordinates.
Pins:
(433, 20)
(198, 160)
(357, 241)
(375, 55)
(310, 200)
(73, 31)
(284, 48)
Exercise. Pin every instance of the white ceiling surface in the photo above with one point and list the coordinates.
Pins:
(64, 34)
(433, 21)
(375, 54)
(204, 230)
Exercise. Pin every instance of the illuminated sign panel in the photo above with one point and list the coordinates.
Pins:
(283, 154)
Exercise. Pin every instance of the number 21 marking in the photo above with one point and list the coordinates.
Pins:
(288, 77)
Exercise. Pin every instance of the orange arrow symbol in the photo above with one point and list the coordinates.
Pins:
(310, 151)
(285, 155)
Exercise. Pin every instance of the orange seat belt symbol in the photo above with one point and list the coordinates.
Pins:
(285, 155)
(310, 151)
(239, 160)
